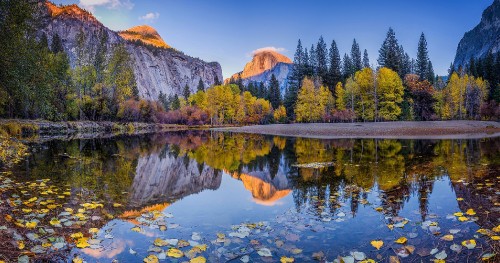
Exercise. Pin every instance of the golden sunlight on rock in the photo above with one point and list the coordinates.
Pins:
(145, 34)
(261, 61)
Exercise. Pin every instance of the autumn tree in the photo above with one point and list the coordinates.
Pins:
(389, 94)
(312, 103)
(367, 105)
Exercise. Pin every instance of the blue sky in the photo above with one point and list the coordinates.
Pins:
(228, 31)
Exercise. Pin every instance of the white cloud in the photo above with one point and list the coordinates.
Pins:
(275, 49)
(150, 17)
(111, 4)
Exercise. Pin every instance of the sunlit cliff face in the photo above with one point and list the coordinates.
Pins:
(145, 34)
(262, 61)
(70, 11)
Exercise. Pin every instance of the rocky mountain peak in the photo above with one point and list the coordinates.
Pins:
(481, 40)
(263, 60)
(70, 11)
(145, 34)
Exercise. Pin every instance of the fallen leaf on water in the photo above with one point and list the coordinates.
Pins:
(318, 255)
(470, 212)
(401, 240)
(82, 243)
(151, 259)
(287, 259)
(377, 244)
(487, 256)
(31, 224)
(136, 229)
(77, 260)
(77, 235)
(160, 242)
(470, 244)
(199, 259)
(495, 238)
(20, 244)
(175, 253)
(462, 219)
(447, 238)
(441, 255)
(264, 252)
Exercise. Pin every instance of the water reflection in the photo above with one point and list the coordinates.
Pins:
(133, 175)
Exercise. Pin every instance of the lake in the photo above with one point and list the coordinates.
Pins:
(201, 195)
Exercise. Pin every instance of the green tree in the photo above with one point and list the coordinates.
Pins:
(120, 78)
(389, 53)
(201, 86)
(357, 63)
(322, 61)
(56, 45)
(186, 92)
(334, 71)
(366, 59)
(422, 69)
(274, 94)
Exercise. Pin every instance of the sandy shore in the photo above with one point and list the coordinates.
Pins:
(397, 130)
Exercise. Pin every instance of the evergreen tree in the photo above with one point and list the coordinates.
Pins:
(56, 45)
(308, 71)
(186, 92)
(366, 60)
(298, 70)
(334, 71)
(347, 68)
(217, 82)
(430, 73)
(313, 61)
(162, 98)
(201, 86)
(175, 104)
(389, 53)
(274, 95)
(422, 69)
(321, 57)
(357, 63)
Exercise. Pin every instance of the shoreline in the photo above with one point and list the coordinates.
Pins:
(380, 130)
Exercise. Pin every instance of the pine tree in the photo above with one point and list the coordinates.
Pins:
(175, 103)
(186, 92)
(217, 81)
(162, 98)
(430, 73)
(357, 63)
(313, 61)
(201, 86)
(274, 95)
(422, 69)
(389, 55)
(308, 71)
(321, 56)
(366, 60)
(56, 45)
(347, 68)
(334, 71)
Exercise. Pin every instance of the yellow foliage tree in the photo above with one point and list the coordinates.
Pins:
(339, 94)
(389, 94)
(312, 103)
(280, 114)
(367, 104)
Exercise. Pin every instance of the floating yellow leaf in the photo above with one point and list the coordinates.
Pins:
(31, 200)
(470, 244)
(46, 244)
(31, 224)
(202, 247)
(447, 238)
(496, 229)
(151, 259)
(175, 253)
(458, 214)
(20, 244)
(93, 230)
(369, 260)
(482, 231)
(460, 199)
(66, 193)
(136, 229)
(390, 226)
(379, 209)
(78, 260)
(160, 242)
(199, 259)
(401, 240)
(377, 244)
(117, 205)
(462, 219)
(27, 210)
(55, 221)
(51, 206)
(77, 235)
(286, 259)
(296, 251)
(495, 237)
(470, 212)
(82, 243)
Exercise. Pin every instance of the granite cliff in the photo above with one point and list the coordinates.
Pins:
(157, 66)
(481, 40)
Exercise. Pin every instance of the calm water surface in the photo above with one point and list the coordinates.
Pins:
(252, 197)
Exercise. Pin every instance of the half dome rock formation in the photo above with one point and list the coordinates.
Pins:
(145, 34)
(481, 40)
(264, 64)
(157, 67)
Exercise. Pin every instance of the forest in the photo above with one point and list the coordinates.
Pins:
(38, 82)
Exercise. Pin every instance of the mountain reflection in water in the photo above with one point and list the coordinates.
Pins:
(240, 177)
